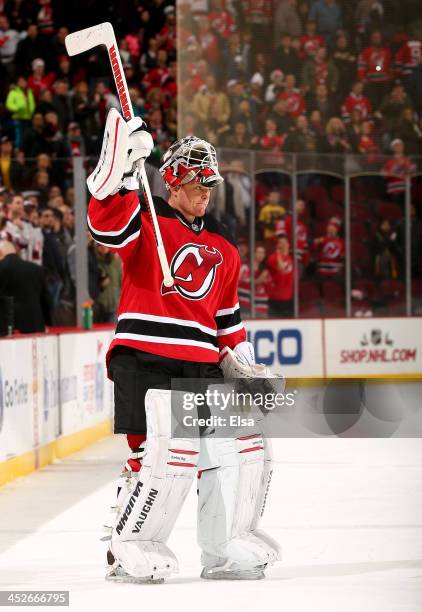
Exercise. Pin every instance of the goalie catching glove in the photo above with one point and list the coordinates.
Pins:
(125, 144)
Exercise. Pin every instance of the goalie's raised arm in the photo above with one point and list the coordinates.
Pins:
(114, 210)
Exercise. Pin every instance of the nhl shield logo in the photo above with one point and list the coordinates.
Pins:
(193, 268)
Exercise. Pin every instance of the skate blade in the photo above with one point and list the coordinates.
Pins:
(215, 574)
(123, 577)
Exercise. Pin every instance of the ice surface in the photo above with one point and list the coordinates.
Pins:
(347, 512)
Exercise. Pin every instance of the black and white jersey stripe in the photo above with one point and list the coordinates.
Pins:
(118, 238)
(165, 330)
(228, 320)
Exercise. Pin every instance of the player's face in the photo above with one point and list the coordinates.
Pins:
(192, 200)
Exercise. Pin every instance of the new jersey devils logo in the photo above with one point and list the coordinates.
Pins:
(193, 268)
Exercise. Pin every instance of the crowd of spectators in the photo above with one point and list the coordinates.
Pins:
(301, 76)
(53, 108)
(276, 76)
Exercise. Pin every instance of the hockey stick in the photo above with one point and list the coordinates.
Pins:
(103, 34)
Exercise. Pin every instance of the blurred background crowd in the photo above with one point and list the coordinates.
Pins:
(277, 77)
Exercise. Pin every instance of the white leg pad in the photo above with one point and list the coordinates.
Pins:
(151, 499)
(232, 494)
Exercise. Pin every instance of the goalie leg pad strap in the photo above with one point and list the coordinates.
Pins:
(232, 490)
(151, 499)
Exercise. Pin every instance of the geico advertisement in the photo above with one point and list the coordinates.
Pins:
(373, 346)
(291, 348)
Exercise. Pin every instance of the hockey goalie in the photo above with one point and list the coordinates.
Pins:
(190, 330)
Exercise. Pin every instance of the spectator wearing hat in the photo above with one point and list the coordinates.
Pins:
(38, 80)
(285, 57)
(286, 19)
(24, 281)
(21, 104)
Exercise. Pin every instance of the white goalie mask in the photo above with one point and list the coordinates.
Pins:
(189, 159)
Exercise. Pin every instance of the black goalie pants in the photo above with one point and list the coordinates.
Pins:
(134, 372)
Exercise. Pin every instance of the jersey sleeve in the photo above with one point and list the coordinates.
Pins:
(115, 222)
(230, 329)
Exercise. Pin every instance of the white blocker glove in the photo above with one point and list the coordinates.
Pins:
(125, 144)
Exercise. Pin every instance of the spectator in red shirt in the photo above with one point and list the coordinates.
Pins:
(280, 290)
(262, 281)
(310, 42)
(375, 69)
(284, 227)
(39, 81)
(367, 144)
(356, 100)
(330, 252)
(271, 140)
(395, 170)
(220, 19)
(294, 99)
(208, 41)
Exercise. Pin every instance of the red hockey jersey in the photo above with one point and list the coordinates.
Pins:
(309, 45)
(407, 57)
(196, 318)
(362, 103)
(330, 255)
(374, 65)
(295, 102)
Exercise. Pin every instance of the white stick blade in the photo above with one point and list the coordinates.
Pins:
(83, 40)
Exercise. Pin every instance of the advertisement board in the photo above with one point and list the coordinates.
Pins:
(370, 347)
(17, 390)
(289, 347)
(86, 394)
